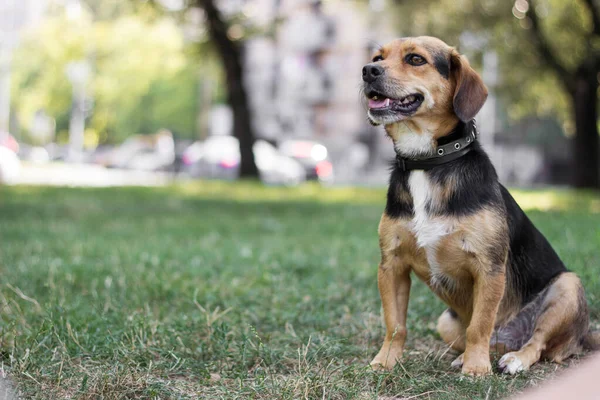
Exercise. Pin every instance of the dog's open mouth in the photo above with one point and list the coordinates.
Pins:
(406, 105)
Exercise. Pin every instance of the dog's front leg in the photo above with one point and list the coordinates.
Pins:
(487, 294)
(393, 279)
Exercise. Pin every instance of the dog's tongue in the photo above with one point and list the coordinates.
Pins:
(379, 103)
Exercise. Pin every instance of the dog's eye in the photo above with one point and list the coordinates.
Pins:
(415, 59)
(378, 58)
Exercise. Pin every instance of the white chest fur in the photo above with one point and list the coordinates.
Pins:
(409, 143)
(427, 229)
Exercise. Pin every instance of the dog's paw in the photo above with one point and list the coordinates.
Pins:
(381, 366)
(458, 362)
(386, 359)
(511, 364)
(479, 368)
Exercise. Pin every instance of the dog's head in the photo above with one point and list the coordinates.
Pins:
(423, 83)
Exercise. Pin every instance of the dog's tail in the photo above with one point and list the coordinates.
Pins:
(592, 341)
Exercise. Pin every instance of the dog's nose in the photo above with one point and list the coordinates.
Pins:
(371, 72)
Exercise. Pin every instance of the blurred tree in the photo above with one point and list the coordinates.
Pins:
(579, 79)
(144, 77)
(231, 57)
(549, 59)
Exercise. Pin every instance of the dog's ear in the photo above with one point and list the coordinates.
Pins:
(470, 92)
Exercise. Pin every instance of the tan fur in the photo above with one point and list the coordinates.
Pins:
(440, 117)
(393, 277)
(467, 267)
(470, 92)
(452, 331)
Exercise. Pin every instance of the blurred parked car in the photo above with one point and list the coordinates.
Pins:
(218, 157)
(10, 165)
(7, 140)
(33, 154)
(142, 152)
(313, 156)
(57, 152)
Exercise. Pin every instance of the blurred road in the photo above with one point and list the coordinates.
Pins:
(59, 174)
(89, 175)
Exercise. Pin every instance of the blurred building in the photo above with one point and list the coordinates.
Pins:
(304, 79)
(306, 72)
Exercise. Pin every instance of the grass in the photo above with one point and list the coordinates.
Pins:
(221, 291)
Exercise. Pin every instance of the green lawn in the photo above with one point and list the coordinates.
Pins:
(214, 290)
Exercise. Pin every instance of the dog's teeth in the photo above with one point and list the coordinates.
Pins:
(375, 97)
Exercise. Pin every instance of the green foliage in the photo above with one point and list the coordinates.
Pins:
(144, 78)
(231, 291)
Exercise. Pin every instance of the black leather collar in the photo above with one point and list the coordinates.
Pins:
(449, 148)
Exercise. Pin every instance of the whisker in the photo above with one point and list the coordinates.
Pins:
(362, 97)
(373, 45)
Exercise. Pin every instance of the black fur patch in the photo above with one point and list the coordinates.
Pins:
(441, 61)
(473, 174)
(532, 262)
(398, 190)
(441, 64)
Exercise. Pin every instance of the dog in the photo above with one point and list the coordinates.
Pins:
(450, 222)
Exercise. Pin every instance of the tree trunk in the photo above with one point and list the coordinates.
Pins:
(586, 166)
(231, 56)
